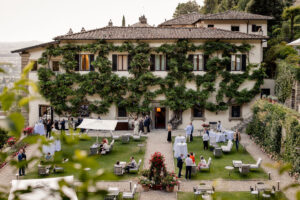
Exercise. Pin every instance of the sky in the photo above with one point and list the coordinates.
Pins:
(42, 20)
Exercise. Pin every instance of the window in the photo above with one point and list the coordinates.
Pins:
(210, 26)
(238, 62)
(45, 112)
(198, 62)
(256, 28)
(235, 28)
(35, 66)
(235, 111)
(55, 66)
(158, 62)
(198, 112)
(122, 111)
(293, 98)
(85, 62)
(120, 62)
(265, 92)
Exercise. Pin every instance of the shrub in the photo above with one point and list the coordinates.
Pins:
(3, 137)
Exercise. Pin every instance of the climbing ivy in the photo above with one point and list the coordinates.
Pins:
(69, 91)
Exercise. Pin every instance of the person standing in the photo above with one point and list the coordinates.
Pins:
(192, 156)
(56, 125)
(219, 126)
(237, 139)
(188, 131)
(48, 128)
(205, 139)
(63, 125)
(70, 123)
(169, 139)
(191, 137)
(147, 123)
(141, 125)
(136, 126)
(188, 167)
(21, 157)
(180, 164)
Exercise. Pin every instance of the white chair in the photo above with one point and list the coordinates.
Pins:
(244, 169)
(228, 147)
(207, 167)
(257, 165)
(237, 163)
(105, 151)
(137, 137)
(136, 169)
(130, 195)
(114, 137)
(212, 141)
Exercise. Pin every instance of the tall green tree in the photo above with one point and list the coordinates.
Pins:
(186, 8)
(226, 5)
(242, 4)
(210, 6)
(123, 21)
(290, 14)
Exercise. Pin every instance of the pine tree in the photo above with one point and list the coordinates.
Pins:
(210, 6)
(123, 21)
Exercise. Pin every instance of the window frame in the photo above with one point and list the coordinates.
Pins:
(262, 93)
(160, 62)
(90, 62)
(242, 67)
(210, 26)
(255, 28)
(118, 112)
(235, 26)
(198, 62)
(240, 117)
(126, 62)
(52, 62)
(195, 117)
(35, 66)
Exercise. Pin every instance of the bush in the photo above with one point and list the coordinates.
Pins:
(3, 137)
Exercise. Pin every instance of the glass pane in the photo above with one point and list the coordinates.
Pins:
(163, 62)
(125, 62)
(157, 62)
(236, 111)
(198, 112)
(120, 63)
(232, 62)
(200, 62)
(55, 66)
(85, 62)
(195, 62)
(238, 62)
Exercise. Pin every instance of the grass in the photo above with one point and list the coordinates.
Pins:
(217, 169)
(120, 152)
(102, 196)
(228, 196)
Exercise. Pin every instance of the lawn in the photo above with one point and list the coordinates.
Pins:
(217, 169)
(228, 196)
(102, 196)
(120, 152)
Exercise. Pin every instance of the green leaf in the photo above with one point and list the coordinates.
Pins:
(25, 100)
(16, 124)
(7, 99)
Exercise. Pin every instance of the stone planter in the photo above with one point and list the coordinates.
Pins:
(146, 188)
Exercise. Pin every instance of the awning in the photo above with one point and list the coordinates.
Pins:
(97, 124)
(42, 189)
(295, 43)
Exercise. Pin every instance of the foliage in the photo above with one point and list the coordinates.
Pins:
(226, 5)
(186, 8)
(284, 81)
(3, 137)
(289, 14)
(157, 168)
(276, 129)
(144, 181)
(11, 141)
(123, 21)
(210, 6)
(170, 180)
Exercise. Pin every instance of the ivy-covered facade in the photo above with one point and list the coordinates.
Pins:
(188, 76)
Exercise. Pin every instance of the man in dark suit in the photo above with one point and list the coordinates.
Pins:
(180, 164)
(147, 123)
(21, 157)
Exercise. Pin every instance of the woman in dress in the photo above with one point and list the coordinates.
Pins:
(169, 133)
(136, 126)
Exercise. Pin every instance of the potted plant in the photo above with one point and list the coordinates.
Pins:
(28, 130)
(145, 172)
(170, 181)
(205, 125)
(145, 183)
(11, 141)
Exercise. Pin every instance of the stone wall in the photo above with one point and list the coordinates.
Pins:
(24, 61)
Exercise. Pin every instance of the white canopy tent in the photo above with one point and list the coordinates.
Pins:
(42, 189)
(295, 43)
(97, 124)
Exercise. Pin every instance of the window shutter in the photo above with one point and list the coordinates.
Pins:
(205, 60)
(114, 62)
(77, 60)
(40, 111)
(167, 63)
(228, 67)
(190, 58)
(152, 62)
(129, 58)
(244, 62)
(92, 57)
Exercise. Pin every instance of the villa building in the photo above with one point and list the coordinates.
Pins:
(231, 27)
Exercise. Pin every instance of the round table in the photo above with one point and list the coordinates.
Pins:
(229, 134)
(220, 137)
(141, 146)
(178, 139)
(180, 148)
(229, 168)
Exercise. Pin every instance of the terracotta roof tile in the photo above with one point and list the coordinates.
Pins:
(148, 33)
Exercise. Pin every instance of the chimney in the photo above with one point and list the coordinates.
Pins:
(110, 24)
(143, 19)
(70, 32)
(82, 29)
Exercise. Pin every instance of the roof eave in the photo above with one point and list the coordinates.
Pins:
(35, 46)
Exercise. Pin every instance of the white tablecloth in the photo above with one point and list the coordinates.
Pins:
(178, 139)
(229, 134)
(39, 129)
(180, 148)
(220, 137)
(51, 148)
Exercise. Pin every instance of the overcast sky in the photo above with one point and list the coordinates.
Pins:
(42, 20)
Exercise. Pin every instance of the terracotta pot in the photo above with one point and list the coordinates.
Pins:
(170, 188)
(146, 188)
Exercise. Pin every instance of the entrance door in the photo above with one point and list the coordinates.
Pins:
(160, 118)
(46, 112)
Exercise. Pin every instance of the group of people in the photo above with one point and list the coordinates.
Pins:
(130, 165)
(142, 125)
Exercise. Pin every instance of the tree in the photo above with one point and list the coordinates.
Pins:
(210, 6)
(186, 8)
(290, 14)
(242, 4)
(123, 21)
(226, 5)
(284, 81)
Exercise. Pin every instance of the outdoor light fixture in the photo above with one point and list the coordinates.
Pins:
(158, 109)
